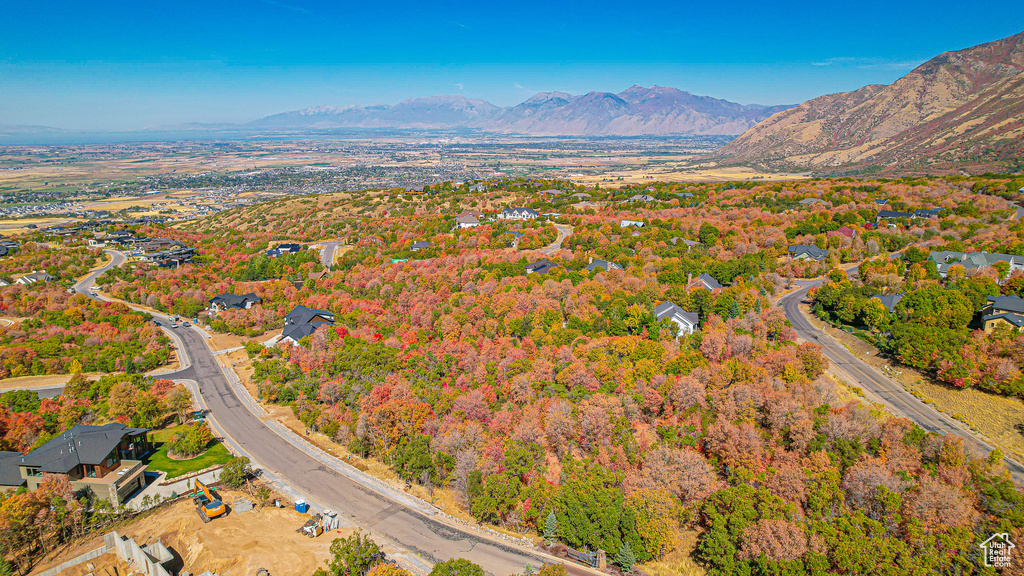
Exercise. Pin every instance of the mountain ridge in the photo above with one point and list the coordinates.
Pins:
(962, 109)
(636, 111)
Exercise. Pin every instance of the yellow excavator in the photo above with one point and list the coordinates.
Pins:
(208, 506)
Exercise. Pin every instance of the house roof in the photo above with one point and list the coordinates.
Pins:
(673, 311)
(893, 214)
(812, 252)
(843, 231)
(421, 245)
(594, 264)
(927, 213)
(641, 198)
(889, 302)
(709, 281)
(82, 444)
(299, 322)
(1015, 319)
(627, 223)
(9, 474)
(809, 201)
(1007, 304)
(520, 212)
(229, 300)
(581, 195)
(467, 219)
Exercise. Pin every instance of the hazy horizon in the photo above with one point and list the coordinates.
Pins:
(123, 66)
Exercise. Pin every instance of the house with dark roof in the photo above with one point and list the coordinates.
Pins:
(228, 301)
(928, 213)
(10, 474)
(686, 322)
(889, 302)
(302, 322)
(421, 245)
(603, 265)
(1003, 310)
(540, 267)
(806, 252)
(705, 281)
(892, 215)
(106, 460)
(282, 249)
(813, 201)
(518, 214)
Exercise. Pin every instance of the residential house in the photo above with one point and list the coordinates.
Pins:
(106, 460)
(540, 267)
(466, 221)
(806, 252)
(807, 202)
(602, 264)
(928, 213)
(302, 322)
(686, 322)
(843, 231)
(551, 192)
(705, 281)
(889, 302)
(971, 261)
(516, 236)
(518, 214)
(4, 283)
(1003, 310)
(684, 194)
(281, 249)
(641, 198)
(421, 245)
(881, 201)
(582, 196)
(10, 474)
(892, 215)
(228, 301)
(632, 224)
(33, 277)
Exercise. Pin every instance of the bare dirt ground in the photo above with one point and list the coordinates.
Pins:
(236, 544)
(992, 415)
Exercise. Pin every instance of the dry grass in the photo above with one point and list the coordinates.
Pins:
(680, 560)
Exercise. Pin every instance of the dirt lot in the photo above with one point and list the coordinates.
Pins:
(992, 415)
(233, 545)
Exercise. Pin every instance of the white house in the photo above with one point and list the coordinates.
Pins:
(466, 221)
(518, 214)
(632, 224)
(687, 322)
(33, 277)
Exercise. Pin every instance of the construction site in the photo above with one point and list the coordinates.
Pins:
(206, 533)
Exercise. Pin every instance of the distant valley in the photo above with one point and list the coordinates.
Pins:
(636, 111)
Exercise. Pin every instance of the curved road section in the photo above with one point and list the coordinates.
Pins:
(896, 398)
(296, 465)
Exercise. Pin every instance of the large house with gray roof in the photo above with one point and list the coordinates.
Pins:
(686, 322)
(106, 460)
(1003, 310)
(302, 322)
(518, 214)
(971, 261)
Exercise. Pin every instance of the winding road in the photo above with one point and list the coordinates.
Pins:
(891, 394)
(294, 462)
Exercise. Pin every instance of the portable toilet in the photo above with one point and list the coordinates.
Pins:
(301, 506)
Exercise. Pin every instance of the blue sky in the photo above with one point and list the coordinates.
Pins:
(112, 65)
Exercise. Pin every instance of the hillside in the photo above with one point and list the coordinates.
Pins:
(959, 110)
(636, 111)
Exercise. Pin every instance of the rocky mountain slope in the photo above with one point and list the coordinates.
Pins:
(634, 112)
(959, 110)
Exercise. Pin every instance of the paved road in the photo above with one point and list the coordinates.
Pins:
(384, 518)
(84, 285)
(327, 253)
(564, 231)
(890, 393)
(407, 528)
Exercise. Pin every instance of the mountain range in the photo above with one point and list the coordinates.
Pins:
(636, 111)
(962, 110)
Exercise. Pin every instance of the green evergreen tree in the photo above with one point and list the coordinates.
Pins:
(625, 558)
(551, 526)
(734, 310)
(757, 305)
